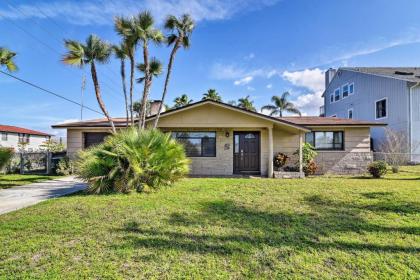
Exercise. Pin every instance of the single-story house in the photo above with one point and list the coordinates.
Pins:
(12, 136)
(224, 140)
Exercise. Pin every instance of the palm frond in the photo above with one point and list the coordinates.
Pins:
(75, 53)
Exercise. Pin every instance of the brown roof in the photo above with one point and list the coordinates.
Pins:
(15, 129)
(329, 121)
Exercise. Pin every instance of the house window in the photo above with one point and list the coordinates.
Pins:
(351, 88)
(350, 113)
(326, 140)
(345, 91)
(197, 144)
(381, 108)
(332, 98)
(24, 138)
(4, 136)
(337, 95)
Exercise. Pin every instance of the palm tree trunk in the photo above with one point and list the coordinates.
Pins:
(124, 90)
(146, 87)
(98, 95)
(132, 64)
(168, 75)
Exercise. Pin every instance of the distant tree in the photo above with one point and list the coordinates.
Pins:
(6, 59)
(52, 146)
(180, 37)
(281, 105)
(182, 101)
(137, 108)
(94, 50)
(122, 53)
(246, 103)
(212, 94)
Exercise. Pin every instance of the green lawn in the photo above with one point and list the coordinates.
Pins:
(350, 228)
(13, 180)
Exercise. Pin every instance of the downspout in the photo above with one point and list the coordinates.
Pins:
(410, 92)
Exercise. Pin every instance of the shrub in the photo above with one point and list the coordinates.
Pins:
(310, 168)
(6, 155)
(280, 160)
(64, 167)
(377, 168)
(132, 159)
(308, 159)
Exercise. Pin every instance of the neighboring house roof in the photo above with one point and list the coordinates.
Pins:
(297, 122)
(15, 129)
(409, 74)
(330, 121)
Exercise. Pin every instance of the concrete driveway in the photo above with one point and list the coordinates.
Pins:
(26, 195)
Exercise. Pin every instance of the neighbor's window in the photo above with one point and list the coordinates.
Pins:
(381, 108)
(351, 88)
(326, 140)
(350, 113)
(197, 144)
(24, 138)
(331, 98)
(4, 136)
(337, 95)
(345, 91)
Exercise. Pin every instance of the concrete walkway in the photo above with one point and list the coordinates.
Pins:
(26, 195)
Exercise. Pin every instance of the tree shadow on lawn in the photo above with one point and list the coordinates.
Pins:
(225, 227)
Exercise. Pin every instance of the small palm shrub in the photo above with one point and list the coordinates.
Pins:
(6, 155)
(132, 159)
(377, 168)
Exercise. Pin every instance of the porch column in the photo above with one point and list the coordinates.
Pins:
(270, 152)
(300, 152)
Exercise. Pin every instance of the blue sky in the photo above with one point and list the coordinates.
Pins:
(240, 48)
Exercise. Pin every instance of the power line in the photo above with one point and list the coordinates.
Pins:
(50, 92)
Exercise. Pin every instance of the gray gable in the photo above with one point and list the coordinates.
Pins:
(411, 74)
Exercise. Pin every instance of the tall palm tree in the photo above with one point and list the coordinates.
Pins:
(121, 53)
(146, 33)
(126, 27)
(212, 94)
(155, 69)
(246, 103)
(181, 30)
(182, 101)
(6, 59)
(93, 51)
(281, 105)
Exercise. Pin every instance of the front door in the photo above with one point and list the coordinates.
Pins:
(246, 153)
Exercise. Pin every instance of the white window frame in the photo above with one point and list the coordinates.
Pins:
(339, 94)
(387, 108)
(351, 93)
(352, 113)
(342, 90)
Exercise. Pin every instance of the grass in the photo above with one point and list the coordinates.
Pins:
(13, 180)
(341, 227)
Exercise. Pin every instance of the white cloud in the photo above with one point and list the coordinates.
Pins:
(269, 86)
(244, 81)
(250, 88)
(101, 12)
(312, 79)
(309, 103)
(249, 56)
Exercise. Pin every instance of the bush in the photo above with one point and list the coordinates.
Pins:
(377, 168)
(132, 159)
(308, 159)
(280, 160)
(6, 155)
(64, 167)
(310, 168)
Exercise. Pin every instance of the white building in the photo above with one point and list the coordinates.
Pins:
(11, 136)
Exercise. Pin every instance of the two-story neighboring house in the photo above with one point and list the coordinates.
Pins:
(387, 94)
(11, 136)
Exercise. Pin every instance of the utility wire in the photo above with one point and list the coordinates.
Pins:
(50, 92)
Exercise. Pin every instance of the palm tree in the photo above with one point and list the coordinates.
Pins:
(212, 94)
(126, 27)
(155, 69)
(146, 33)
(6, 59)
(121, 53)
(94, 50)
(180, 37)
(182, 101)
(246, 103)
(281, 105)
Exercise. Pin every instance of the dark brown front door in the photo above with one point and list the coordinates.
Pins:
(246, 152)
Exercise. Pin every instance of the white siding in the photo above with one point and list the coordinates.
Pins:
(415, 123)
(13, 139)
